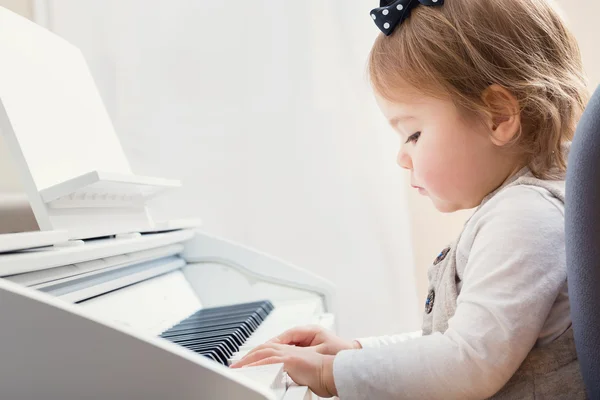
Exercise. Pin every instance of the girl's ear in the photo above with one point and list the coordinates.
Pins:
(504, 114)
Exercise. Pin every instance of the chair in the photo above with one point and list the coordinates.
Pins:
(582, 229)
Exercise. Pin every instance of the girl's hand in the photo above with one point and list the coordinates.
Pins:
(305, 366)
(322, 341)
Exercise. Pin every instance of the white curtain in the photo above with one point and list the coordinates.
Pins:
(263, 109)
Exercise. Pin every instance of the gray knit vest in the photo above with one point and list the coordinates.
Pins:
(548, 372)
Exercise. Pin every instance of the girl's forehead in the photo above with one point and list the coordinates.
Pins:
(405, 102)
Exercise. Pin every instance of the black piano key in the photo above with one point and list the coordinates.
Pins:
(259, 313)
(216, 355)
(193, 321)
(206, 313)
(216, 321)
(226, 343)
(212, 357)
(199, 330)
(267, 307)
(235, 333)
(199, 348)
(202, 329)
(231, 335)
(255, 314)
(210, 317)
(249, 324)
(255, 305)
(218, 349)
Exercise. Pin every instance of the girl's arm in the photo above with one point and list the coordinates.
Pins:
(386, 340)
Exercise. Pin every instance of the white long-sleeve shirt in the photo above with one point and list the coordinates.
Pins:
(512, 296)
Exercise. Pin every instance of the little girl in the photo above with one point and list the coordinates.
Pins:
(485, 95)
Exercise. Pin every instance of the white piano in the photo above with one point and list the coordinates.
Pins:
(97, 299)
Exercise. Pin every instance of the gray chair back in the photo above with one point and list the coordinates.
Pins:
(582, 230)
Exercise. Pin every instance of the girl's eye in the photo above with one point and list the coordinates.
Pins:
(414, 137)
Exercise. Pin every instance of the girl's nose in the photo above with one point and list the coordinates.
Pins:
(403, 159)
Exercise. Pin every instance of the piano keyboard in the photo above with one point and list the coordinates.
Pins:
(219, 332)
(226, 334)
(167, 307)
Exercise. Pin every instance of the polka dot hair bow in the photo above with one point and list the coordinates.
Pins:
(391, 14)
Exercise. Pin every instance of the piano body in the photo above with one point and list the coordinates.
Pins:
(98, 300)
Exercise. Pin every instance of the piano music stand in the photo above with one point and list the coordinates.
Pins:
(68, 159)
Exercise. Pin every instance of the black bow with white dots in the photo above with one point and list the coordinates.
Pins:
(391, 14)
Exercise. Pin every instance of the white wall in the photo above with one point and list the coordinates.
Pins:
(262, 108)
(22, 7)
(582, 18)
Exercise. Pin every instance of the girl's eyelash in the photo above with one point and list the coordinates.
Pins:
(414, 137)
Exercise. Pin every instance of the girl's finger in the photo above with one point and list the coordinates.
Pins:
(299, 336)
(256, 356)
(259, 348)
(269, 360)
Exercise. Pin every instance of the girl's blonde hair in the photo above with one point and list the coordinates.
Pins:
(464, 46)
